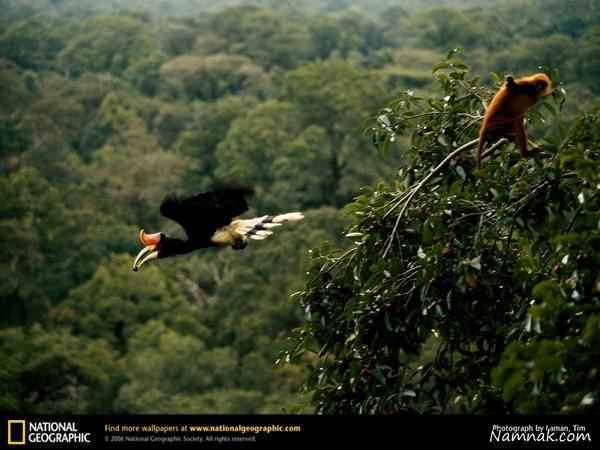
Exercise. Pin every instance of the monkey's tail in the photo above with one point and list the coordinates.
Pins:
(479, 150)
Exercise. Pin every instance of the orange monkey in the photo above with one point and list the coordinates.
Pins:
(504, 115)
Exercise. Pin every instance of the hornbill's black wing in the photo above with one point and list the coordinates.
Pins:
(202, 214)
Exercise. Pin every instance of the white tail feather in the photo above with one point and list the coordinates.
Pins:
(257, 237)
(259, 228)
(263, 233)
(289, 217)
(272, 225)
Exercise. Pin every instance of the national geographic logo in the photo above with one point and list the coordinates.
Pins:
(36, 432)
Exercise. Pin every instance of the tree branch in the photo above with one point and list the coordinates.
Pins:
(414, 190)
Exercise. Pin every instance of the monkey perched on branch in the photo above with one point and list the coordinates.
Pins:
(504, 115)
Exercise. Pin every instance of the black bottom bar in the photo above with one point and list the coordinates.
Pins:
(175, 431)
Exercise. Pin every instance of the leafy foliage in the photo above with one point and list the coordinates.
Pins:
(49, 372)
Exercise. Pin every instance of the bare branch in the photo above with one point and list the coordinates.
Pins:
(409, 195)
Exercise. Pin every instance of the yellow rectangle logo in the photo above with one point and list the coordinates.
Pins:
(16, 431)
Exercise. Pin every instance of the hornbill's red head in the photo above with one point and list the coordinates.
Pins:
(151, 250)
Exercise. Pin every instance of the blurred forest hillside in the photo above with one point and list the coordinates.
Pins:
(106, 106)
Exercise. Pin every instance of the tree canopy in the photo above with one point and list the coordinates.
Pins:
(475, 292)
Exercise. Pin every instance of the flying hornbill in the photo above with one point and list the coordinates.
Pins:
(207, 219)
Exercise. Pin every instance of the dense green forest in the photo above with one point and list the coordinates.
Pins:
(107, 106)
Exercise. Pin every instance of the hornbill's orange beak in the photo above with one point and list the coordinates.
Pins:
(149, 252)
